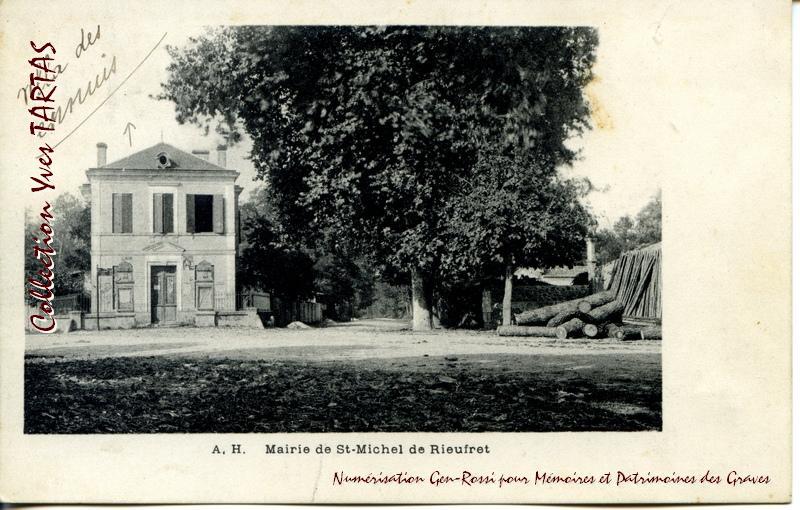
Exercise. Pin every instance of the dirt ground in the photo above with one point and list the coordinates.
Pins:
(368, 339)
(360, 376)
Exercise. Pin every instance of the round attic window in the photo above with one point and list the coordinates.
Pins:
(163, 160)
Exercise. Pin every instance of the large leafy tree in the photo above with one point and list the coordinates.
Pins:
(368, 133)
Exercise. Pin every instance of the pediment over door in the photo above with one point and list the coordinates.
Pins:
(164, 247)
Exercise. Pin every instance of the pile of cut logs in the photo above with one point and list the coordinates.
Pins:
(596, 316)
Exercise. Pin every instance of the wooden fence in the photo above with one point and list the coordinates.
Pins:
(224, 301)
(251, 299)
(72, 303)
(283, 311)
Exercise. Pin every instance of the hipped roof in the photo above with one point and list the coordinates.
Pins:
(146, 160)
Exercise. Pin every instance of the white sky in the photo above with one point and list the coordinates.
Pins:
(609, 155)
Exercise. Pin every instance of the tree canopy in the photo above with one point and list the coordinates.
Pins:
(515, 214)
(369, 134)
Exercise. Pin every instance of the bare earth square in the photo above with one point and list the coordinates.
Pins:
(366, 376)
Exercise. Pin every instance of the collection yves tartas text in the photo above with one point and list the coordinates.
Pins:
(42, 90)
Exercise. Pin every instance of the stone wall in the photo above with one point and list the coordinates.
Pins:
(110, 320)
(65, 322)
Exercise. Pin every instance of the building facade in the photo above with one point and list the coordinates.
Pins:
(164, 238)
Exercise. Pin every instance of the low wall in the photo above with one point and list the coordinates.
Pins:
(204, 319)
(109, 320)
(247, 318)
(257, 318)
(65, 322)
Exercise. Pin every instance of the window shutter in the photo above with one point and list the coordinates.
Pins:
(116, 213)
(127, 212)
(219, 214)
(169, 223)
(189, 213)
(158, 213)
(238, 229)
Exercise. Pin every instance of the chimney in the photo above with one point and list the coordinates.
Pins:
(222, 156)
(101, 154)
(202, 154)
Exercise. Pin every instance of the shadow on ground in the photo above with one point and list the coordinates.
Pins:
(471, 393)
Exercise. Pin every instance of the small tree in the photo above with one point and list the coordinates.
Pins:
(628, 234)
(71, 225)
(346, 283)
(272, 259)
(516, 213)
(648, 221)
(268, 263)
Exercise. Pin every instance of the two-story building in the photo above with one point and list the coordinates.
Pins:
(164, 238)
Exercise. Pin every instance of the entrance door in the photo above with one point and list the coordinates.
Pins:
(162, 294)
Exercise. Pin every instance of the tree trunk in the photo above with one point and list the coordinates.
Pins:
(509, 288)
(486, 308)
(436, 318)
(420, 302)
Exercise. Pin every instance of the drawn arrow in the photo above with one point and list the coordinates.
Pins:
(129, 132)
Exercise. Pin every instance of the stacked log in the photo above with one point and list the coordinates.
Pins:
(593, 331)
(527, 331)
(576, 327)
(569, 329)
(651, 333)
(594, 316)
(609, 312)
(599, 299)
(628, 333)
(566, 316)
(544, 314)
